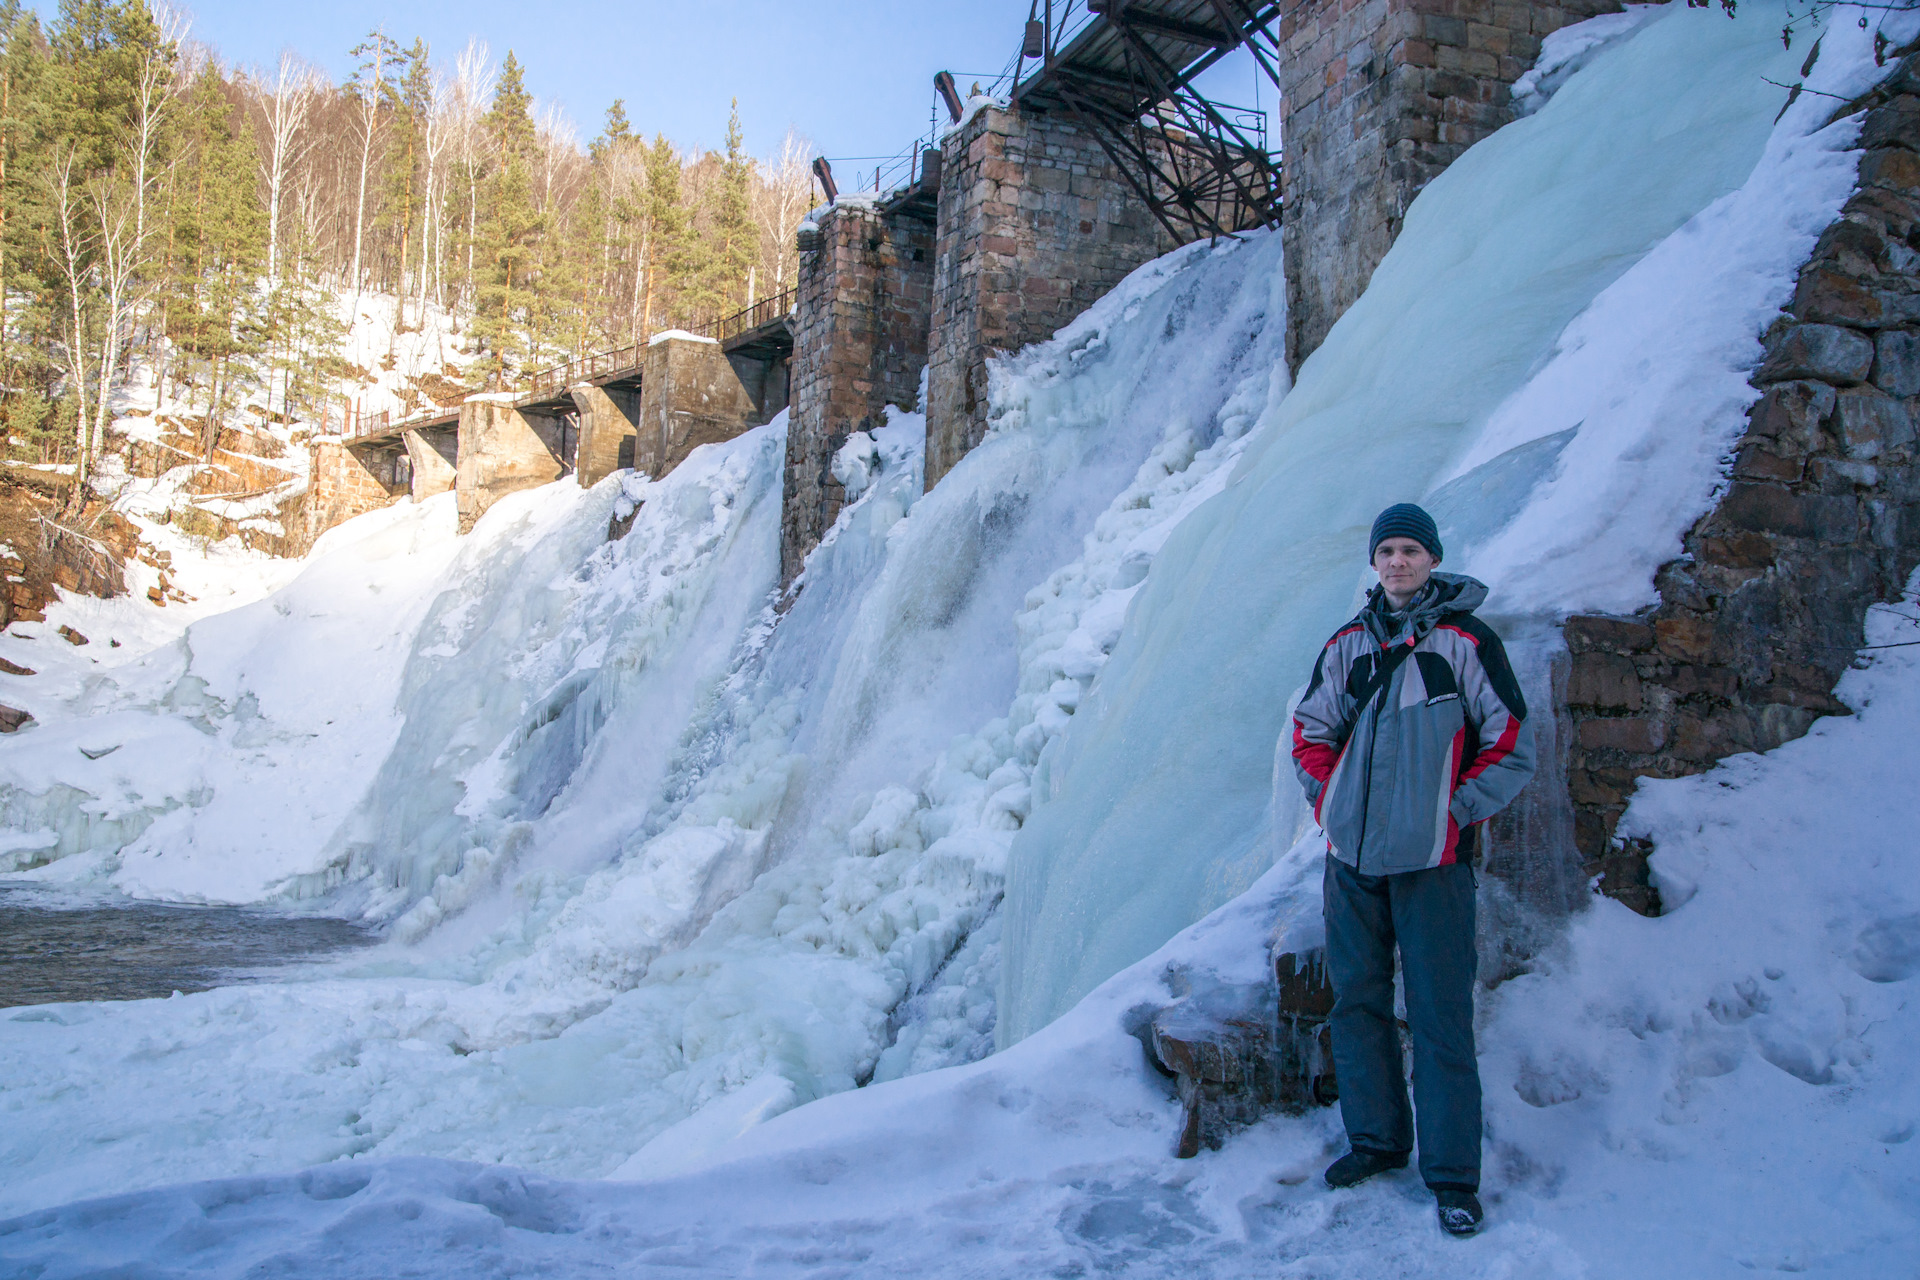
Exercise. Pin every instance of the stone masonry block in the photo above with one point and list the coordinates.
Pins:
(1893, 167)
(1592, 632)
(1789, 416)
(1896, 354)
(1604, 680)
(1824, 351)
(1633, 735)
(1756, 463)
(1895, 124)
(1829, 295)
(1870, 421)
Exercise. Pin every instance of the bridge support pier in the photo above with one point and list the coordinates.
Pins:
(1379, 99)
(860, 344)
(689, 396)
(1036, 224)
(435, 454)
(609, 418)
(345, 481)
(763, 365)
(503, 450)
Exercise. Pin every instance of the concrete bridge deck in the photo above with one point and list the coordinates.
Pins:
(645, 406)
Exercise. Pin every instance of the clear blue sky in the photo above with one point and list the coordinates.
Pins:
(856, 76)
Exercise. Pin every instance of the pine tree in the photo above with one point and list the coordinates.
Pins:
(221, 243)
(665, 260)
(733, 236)
(26, 271)
(511, 227)
(404, 185)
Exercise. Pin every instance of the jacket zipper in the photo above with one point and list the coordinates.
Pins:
(1366, 779)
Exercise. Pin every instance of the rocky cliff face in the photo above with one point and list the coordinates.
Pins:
(1819, 522)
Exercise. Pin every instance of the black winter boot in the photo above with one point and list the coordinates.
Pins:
(1360, 1164)
(1459, 1210)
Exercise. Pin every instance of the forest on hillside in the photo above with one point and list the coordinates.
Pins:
(210, 223)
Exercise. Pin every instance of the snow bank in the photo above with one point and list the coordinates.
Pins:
(207, 768)
(1719, 1092)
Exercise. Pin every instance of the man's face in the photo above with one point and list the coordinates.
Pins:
(1404, 567)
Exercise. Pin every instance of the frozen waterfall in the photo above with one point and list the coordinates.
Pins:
(663, 861)
(1584, 275)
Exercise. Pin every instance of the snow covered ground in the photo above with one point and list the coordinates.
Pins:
(663, 864)
(1722, 1091)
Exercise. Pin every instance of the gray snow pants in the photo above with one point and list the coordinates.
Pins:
(1430, 915)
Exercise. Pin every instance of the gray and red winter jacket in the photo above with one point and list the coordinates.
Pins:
(1397, 770)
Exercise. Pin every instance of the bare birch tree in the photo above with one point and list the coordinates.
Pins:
(154, 90)
(786, 194)
(75, 249)
(473, 80)
(371, 85)
(116, 209)
(439, 131)
(284, 111)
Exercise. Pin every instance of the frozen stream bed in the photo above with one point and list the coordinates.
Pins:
(56, 948)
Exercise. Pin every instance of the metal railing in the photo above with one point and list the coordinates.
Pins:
(762, 312)
(561, 376)
(358, 425)
(889, 175)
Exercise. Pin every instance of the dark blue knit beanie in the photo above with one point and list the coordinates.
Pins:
(1404, 520)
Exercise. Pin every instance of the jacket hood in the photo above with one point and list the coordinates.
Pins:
(1444, 593)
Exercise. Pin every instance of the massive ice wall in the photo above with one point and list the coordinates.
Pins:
(1558, 301)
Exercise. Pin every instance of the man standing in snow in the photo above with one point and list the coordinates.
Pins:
(1411, 733)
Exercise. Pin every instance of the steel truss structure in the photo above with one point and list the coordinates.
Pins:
(1124, 70)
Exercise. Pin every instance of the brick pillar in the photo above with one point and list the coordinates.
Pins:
(344, 483)
(689, 396)
(502, 450)
(1035, 225)
(435, 455)
(860, 344)
(609, 417)
(1380, 97)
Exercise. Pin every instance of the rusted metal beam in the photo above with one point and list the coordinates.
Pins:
(1210, 124)
(1147, 20)
(1127, 77)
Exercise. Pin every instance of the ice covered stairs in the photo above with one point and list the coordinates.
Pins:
(1239, 1052)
